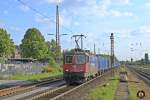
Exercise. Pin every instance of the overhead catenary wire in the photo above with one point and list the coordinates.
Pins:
(43, 15)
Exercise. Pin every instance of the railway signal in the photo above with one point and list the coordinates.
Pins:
(112, 52)
(112, 49)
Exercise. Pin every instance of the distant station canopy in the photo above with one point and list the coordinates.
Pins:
(20, 60)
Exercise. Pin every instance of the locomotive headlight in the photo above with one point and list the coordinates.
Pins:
(66, 70)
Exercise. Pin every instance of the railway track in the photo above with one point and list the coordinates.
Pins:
(81, 92)
(142, 74)
(58, 90)
(11, 91)
(50, 93)
(41, 89)
(65, 92)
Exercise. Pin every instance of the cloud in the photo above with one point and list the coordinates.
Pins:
(141, 32)
(76, 23)
(80, 7)
(16, 29)
(87, 8)
(118, 13)
(147, 5)
(41, 19)
(54, 1)
(104, 6)
(47, 1)
(145, 29)
(124, 1)
(123, 34)
(65, 21)
(24, 8)
(5, 11)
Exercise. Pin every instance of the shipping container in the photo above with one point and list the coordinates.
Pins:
(103, 62)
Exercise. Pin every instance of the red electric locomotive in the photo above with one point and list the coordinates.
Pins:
(79, 66)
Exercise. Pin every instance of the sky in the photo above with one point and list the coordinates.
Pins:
(97, 19)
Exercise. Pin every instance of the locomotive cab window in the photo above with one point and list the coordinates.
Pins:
(80, 59)
(87, 59)
(68, 59)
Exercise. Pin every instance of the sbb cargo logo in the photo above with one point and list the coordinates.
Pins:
(141, 94)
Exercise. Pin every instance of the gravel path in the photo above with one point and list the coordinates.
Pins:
(122, 91)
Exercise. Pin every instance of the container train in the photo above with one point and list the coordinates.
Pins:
(81, 65)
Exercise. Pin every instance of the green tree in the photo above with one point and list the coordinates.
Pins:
(6, 44)
(54, 50)
(34, 46)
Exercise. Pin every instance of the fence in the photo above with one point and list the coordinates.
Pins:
(7, 69)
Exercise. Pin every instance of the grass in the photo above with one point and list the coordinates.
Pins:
(132, 88)
(34, 76)
(146, 67)
(122, 68)
(132, 91)
(105, 92)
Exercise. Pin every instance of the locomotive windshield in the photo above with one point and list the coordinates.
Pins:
(68, 59)
(80, 59)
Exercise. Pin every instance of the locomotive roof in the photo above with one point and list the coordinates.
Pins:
(87, 52)
(79, 51)
(103, 55)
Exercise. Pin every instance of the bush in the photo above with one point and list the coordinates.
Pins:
(53, 63)
(49, 69)
(2, 60)
(52, 67)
